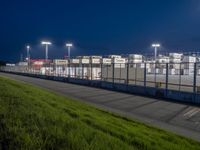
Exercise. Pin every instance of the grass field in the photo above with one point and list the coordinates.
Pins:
(32, 118)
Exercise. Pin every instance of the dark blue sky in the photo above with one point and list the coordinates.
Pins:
(98, 26)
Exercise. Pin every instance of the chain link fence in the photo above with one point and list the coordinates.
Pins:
(170, 76)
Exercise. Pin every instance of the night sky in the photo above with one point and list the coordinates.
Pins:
(97, 27)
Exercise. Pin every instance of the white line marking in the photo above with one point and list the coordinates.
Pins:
(192, 112)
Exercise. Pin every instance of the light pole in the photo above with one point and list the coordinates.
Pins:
(156, 46)
(46, 43)
(28, 55)
(69, 45)
(28, 52)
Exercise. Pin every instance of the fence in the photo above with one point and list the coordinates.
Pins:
(183, 77)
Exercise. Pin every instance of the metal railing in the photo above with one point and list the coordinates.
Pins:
(170, 76)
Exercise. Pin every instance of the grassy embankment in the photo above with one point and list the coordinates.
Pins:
(32, 118)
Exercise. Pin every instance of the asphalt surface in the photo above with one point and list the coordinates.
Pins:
(182, 119)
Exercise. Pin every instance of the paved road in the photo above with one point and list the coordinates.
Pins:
(179, 118)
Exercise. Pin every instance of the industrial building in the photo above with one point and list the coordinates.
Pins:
(94, 67)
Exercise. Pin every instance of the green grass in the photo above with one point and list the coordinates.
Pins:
(32, 118)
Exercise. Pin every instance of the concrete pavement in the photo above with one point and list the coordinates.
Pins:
(179, 118)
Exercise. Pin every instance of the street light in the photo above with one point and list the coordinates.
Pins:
(69, 45)
(156, 46)
(28, 52)
(46, 43)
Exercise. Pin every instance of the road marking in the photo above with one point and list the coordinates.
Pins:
(192, 112)
(189, 112)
